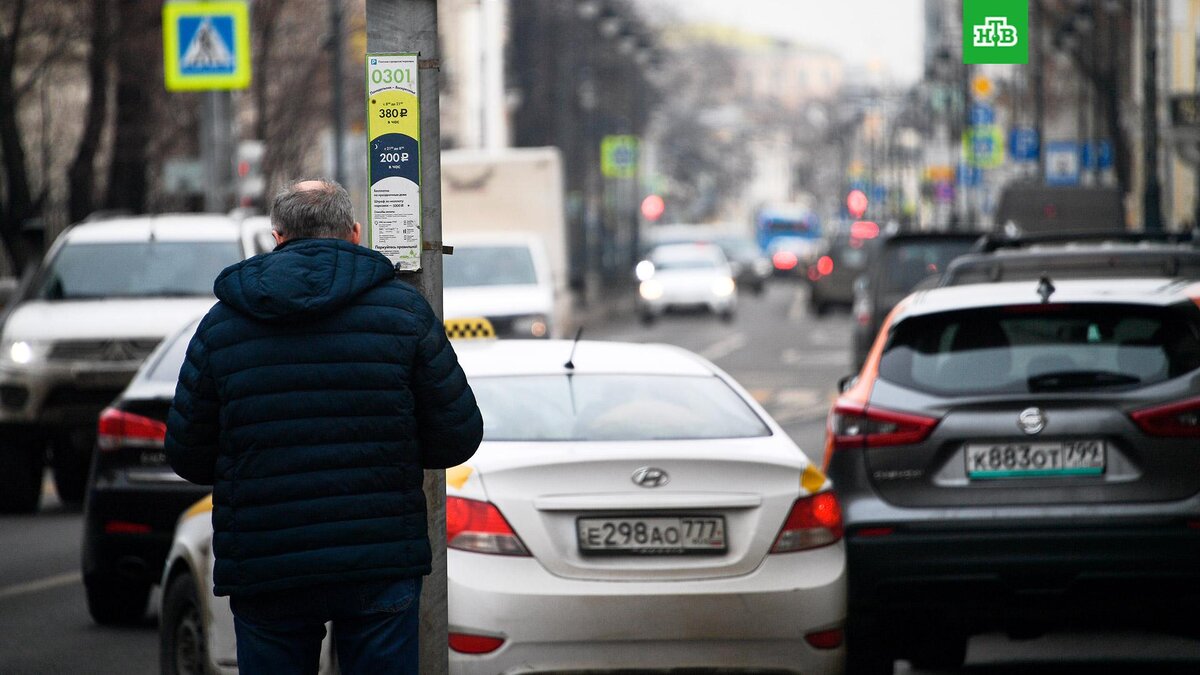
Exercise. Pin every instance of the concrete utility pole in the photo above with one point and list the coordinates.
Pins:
(411, 26)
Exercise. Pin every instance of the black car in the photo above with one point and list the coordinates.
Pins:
(134, 498)
(1021, 456)
(841, 260)
(899, 262)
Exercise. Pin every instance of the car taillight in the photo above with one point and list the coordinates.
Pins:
(477, 526)
(784, 260)
(117, 429)
(1181, 419)
(853, 425)
(814, 521)
(465, 643)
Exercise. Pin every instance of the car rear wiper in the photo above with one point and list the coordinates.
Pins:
(1079, 379)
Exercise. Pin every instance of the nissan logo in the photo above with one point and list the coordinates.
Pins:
(650, 477)
(1032, 420)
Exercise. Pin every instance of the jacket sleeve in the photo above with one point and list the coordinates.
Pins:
(193, 421)
(449, 424)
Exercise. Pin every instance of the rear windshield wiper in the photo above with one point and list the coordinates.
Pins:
(1079, 379)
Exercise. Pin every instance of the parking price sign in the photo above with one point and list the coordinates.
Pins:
(394, 164)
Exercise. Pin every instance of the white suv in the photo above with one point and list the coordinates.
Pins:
(77, 329)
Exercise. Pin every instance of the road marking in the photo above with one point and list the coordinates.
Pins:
(802, 357)
(724, 347)
(796, 311)
(41, 585)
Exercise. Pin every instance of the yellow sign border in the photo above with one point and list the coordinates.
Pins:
(176, 80)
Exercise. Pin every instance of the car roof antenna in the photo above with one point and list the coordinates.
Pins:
(1045, 289)
(570, 364)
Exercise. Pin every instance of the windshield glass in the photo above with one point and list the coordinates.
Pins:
(488, 266)
(906, 264)
(612, 408)
(136, 269)
(1041, 348)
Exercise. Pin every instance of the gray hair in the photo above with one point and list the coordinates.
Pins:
(323, 212)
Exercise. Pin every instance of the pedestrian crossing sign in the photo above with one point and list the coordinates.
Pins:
(206, 45)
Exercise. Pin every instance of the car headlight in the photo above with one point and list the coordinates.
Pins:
(23, 352)
(534, 325)
(644, 270)
(723, 287)
(650, 289)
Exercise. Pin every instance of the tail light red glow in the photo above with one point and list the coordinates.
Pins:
(1180, 419)
(465, 643)
(826, 639)
(118, 428)
(853, 425)
(814, 521)
(477, 526)
(125, 527)
(784, 260)
(825, 265)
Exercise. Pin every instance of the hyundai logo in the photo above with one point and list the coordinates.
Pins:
(650, 477)
(1032, 420)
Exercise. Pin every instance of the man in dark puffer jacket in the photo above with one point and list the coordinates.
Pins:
(312, 396)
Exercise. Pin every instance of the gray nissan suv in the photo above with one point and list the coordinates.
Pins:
(1021, 456)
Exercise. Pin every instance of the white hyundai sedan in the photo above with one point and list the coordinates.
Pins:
(632, 507)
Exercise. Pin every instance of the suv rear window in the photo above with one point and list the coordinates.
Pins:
(1042, 348)
(135, 269)
(907, 263)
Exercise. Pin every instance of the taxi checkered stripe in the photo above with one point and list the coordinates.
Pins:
(463, 329)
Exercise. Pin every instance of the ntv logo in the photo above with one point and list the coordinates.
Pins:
(995, 31)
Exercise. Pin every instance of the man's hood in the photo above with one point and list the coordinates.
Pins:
(303, 277)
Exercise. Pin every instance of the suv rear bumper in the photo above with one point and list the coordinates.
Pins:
(1017, 578)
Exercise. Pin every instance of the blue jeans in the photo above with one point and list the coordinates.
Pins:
(375, 628)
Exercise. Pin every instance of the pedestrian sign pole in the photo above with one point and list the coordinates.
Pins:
(206, 47)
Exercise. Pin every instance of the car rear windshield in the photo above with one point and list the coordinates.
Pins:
(907, 263)
(488, 266)
(1042, 348)
(612, 408)
(135, 269)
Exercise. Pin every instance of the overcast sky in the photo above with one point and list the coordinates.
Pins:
(883, 32)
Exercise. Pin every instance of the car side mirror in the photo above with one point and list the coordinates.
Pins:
(845, 383)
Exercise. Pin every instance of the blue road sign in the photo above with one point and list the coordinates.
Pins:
(981, 114)
(1096, 155)
(1023, 144)
(1062, 163)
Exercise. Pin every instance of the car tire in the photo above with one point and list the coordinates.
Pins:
(116, 602)
(760, 287)
(727, 316)
(647, 318)
(183, 646)
(71, 461)
(22, 463)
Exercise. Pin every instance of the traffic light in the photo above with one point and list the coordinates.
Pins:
(249, 179)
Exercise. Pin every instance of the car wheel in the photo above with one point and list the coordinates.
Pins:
(760, 287)
(183, 648)
(71, 461)
(727, 316)
(116, 602)
(22, 462)
(647, 318)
